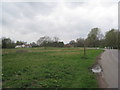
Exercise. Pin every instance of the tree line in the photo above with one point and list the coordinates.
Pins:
(95, 38)
(47, 41)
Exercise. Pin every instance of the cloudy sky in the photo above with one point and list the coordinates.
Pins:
(28, 21)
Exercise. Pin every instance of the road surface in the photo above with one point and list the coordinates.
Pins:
(109, 63)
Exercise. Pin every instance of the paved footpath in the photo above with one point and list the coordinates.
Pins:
(109, 63)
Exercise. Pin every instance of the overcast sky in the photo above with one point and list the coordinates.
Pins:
(28, 21)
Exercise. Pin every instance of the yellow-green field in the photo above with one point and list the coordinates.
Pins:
(50, 67)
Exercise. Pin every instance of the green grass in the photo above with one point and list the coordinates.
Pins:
(51, 67)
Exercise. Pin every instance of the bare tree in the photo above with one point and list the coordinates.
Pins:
(43, 41)
(55, 39)
(80, 42)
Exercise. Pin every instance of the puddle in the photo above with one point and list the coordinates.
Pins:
(96, 69)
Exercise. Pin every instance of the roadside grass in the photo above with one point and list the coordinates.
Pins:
(48, 68)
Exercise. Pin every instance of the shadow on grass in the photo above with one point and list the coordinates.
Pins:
(84, 57)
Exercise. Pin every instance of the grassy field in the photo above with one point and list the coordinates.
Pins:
(51, 67)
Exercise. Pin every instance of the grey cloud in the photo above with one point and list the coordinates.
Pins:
(67, 20)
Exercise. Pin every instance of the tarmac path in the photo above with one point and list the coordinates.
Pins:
(109, 63)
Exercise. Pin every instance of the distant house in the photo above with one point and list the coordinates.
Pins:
(19, 46)
(23, 46)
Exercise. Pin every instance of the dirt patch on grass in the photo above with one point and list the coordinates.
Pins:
(71, 49)
(22, 51)
(65, 53)
(57, 50)
(40, 50)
